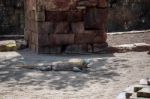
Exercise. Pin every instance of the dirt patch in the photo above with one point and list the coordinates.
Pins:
(109, 75)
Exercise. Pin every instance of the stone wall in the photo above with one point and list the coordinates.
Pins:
(11, 17)
(126, 15)
(57, 26)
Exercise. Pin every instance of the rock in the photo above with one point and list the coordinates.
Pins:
(141, 91)
(76, 69)
(71, 65)
(44, 68)
(133, 96)
(78, 62)
(141, 47)
(8, 45)
(149, 52)
(129, 91)
(139, 87)
(62, 66)
(145, 92)
(144, 81)
(21, 44)
(129, 47)
(122, 96)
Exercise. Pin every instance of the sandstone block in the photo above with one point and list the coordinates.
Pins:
(54, 16)
(78, 27)
(75, 15)
(61, 39)
(8, 45)
(61, 28)
(84, 38)
(40, 16)
(95, 18)
(145, 92)
(139, 87)
(45, 28)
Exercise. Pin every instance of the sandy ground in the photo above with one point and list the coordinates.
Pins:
(108, 76)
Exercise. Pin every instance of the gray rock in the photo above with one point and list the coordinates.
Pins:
(76, 69)
(122, 95)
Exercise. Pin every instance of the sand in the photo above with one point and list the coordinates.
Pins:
(108, 76)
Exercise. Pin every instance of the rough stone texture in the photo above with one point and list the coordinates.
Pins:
(129, 15)
(11, 17)
(51, 24)
(145, 92)
(8, 45)
(123, 14)
(141, 91)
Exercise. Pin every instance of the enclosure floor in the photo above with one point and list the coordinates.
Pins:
(108, 76)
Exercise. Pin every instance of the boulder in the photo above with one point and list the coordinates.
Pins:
(8, 45)
(21, 44)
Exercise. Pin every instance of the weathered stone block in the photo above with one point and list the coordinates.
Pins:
(75, 15)
(103, 3)
(54, 16)
(95, 18)
(60, 23)
(139, 87)
(78, 27)
(145, 92)
(90, 38)
(84, 38)
(8, 45)
(45, 28)
(61, 39)
(43, 40)
(61, 28)
(40, 16)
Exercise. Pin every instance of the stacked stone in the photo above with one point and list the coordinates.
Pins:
(127, 15)
(54, 26)
(140, 91)
(11, 17)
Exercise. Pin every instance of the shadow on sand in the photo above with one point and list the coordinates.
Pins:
(102, 71)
